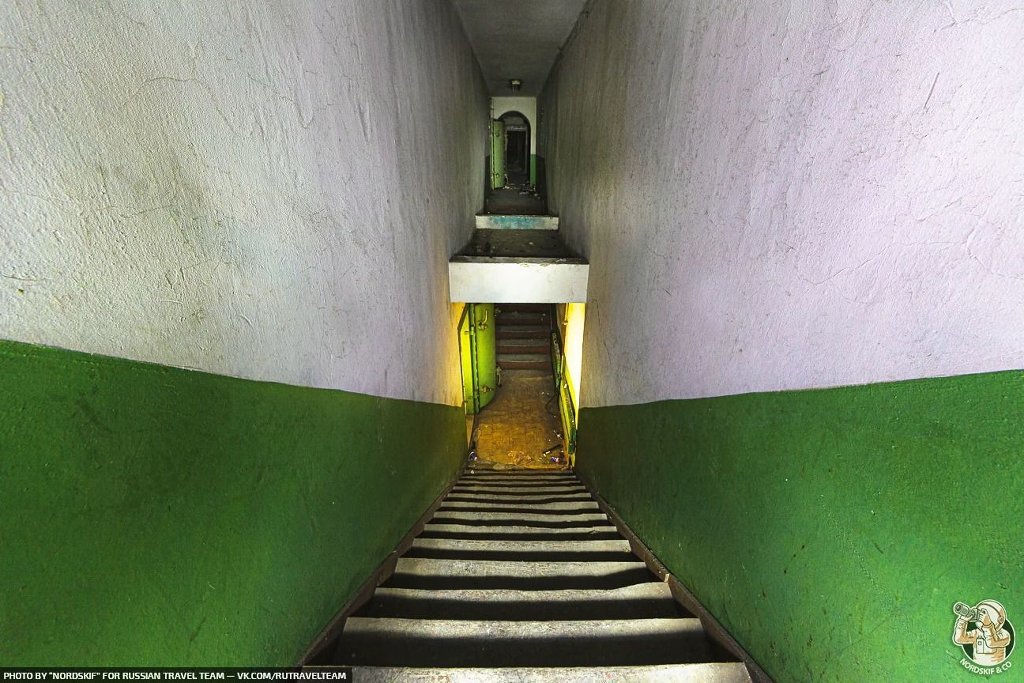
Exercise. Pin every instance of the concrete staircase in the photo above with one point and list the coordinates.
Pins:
(524, 336)
(520, 576)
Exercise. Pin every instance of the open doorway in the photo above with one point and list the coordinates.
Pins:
(517, 148)
(529, 418)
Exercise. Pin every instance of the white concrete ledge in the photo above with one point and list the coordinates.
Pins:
(512, 280)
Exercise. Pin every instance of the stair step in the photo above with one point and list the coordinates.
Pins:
(419, 572)
(518, 472)
(520, 519)
(540, 488)
(704, 672)
(507, 318)
(539, 551)
(517, 498)
(439, 642)
(519, 533)
(517, 493)
(523, 332)
(548, 476)
(555, 508)
(532, 346)
(522, 361)
(525, 308)
(639, 601)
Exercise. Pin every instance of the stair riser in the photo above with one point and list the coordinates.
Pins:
(522, 319)
(524, 583)
(514, 489)
(512, 533)
(524, 365)
(553, 479)
(534, 644)
(522, 333)
(538, 348)
(514, 498)
(440, 608)
(534, 556)
(707, 672)
(539, 508)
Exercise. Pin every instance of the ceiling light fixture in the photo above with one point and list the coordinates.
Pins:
(514, 84)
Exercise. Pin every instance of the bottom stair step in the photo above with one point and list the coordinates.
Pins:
(438, 642)
(431, 574)
(709, 672)
(641, 601)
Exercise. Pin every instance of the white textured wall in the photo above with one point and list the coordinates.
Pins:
(793, 194)
(267, 190)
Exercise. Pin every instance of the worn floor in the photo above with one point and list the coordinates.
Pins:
(512, 201)
(520, 423)
(519, 244)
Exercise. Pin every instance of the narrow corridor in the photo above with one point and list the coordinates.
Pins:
(252, 256)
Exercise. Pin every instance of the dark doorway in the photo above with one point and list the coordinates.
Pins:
(517, 147)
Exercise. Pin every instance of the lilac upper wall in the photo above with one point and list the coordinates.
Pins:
(265, 190)
(782, 196)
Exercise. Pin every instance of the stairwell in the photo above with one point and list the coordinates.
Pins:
(519, 575)
(523, 334)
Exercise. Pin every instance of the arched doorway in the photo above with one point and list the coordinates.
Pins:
(517, 147)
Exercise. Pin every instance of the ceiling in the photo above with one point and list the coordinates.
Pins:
(517, 38)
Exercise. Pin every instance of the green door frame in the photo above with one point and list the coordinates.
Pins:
(497, 154)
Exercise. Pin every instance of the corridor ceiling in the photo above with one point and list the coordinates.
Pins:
(517, 38)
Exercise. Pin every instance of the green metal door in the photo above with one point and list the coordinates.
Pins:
(497, 154)
(486, 352)
(478, 350)
(467, 353)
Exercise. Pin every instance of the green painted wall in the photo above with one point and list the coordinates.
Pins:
(152, 515)
(832, 530)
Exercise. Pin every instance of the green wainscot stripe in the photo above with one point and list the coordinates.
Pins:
(832, 530)
(157, 516)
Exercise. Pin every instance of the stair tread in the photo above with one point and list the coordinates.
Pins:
(638, 591)
(695, 672)
(516, 343)
(532, 569)
(520, 471)
(523, 546)
(539, 488)
(523, 331)
(576, 506)
(520, 481)
(636, 601)
(518, 498)
(551, 518)
(507, 317)
(430, 642)
(522, 358)
(512, 531)
(462, 628)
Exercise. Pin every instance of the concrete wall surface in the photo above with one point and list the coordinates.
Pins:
(791, 195)
(269, 191)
